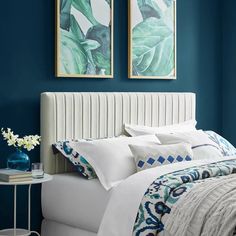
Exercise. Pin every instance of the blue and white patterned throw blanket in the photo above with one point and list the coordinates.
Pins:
(166, 191)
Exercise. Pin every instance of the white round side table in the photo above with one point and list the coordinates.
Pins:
(23, 232)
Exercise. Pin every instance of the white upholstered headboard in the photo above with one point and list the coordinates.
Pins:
(99, 115)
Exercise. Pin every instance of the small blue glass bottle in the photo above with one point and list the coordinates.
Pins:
(19, 161)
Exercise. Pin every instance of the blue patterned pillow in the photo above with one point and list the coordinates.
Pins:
(226, 148)
(157, 155)
(78, 161)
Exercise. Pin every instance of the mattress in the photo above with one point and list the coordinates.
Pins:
(72, 200)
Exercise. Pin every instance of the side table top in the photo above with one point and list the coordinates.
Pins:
(46, 178)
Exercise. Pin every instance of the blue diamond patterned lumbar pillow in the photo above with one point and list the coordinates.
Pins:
(157, 155)
(141, 164)
(179, 158)
(150, 161)
(78, 161)
(170, 159)
(161, 159)
(226, 148)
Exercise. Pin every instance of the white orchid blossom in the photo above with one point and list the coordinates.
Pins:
(20, 142)
(28, 142)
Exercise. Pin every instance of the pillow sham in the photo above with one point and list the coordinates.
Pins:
(227, 149)
(78, 161)
(203, 147)
(136, 130)
(111, 158)
(157, 155)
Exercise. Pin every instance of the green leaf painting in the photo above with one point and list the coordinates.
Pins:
(101, 54)
(75, 29)
(65, 7)
(149, 8)
(84, 42)
(84, 6)
(153, 39)
(73, 55)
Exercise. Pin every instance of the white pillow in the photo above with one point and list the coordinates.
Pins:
(203, 147)
(157, 155)
(136, 130)
(227, 149)
(111, 158)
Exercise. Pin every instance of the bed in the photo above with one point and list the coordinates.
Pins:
(93, 115)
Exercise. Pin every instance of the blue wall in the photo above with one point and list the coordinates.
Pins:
(27, 69)
(229, 70)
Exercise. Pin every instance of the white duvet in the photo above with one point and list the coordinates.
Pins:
(120, 215)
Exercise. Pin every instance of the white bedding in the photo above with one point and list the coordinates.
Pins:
(74, 201)
(123, 206)
(52, 228)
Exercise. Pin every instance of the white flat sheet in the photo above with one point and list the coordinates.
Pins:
(74, 201)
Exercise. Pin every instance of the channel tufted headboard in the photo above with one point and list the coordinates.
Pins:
(99, 115)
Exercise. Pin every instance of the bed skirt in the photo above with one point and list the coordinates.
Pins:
(52, 228)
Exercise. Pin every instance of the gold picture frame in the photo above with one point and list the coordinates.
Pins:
(93, 58)
(144, 62)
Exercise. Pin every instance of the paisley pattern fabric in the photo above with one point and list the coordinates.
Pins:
(227, 149)
(78, 161)
(165, 191)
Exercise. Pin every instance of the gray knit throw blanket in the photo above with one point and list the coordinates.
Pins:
(208, 209)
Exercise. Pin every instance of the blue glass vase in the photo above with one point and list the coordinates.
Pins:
(19, 161)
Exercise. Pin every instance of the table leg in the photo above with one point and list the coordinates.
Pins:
(15, 195)
(29, 207)
(29, 212)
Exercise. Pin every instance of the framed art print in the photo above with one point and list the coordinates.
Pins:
(152, 39)
(84, 32)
